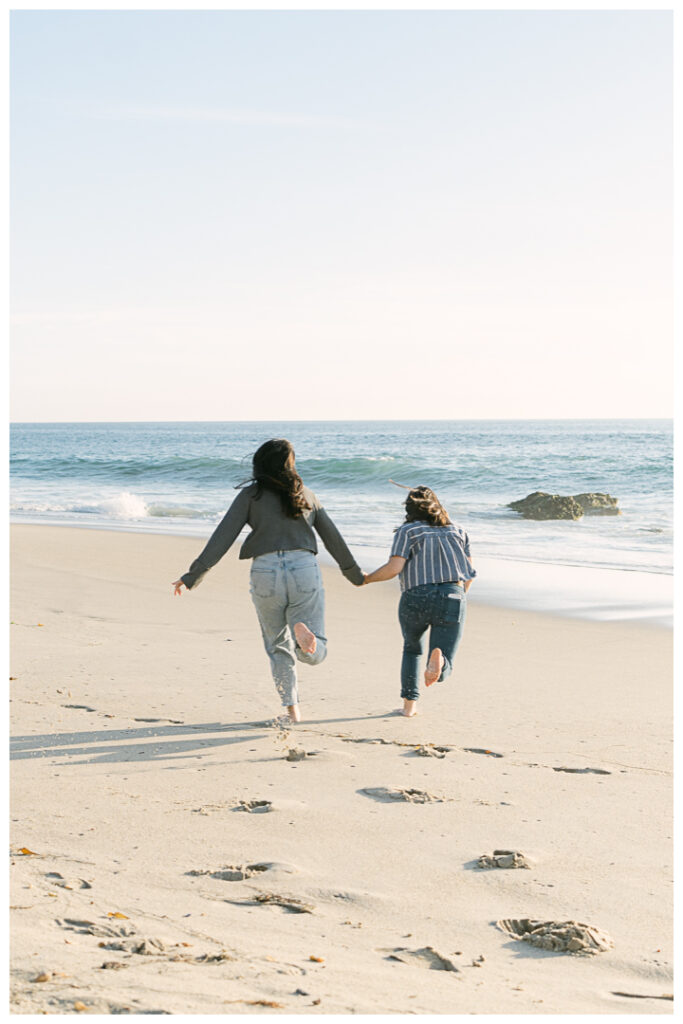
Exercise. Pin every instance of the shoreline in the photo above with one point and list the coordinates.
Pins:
(592, 593)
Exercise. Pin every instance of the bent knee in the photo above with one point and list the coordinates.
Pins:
(314, 658)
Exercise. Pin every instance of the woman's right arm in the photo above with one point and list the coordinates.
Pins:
(387, 571)
(220, 541)
(400, 553)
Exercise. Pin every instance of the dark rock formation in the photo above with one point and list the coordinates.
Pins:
(598, 504)
(540, 505)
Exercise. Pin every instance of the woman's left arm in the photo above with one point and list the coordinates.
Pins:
(387, 571)
(337, 546)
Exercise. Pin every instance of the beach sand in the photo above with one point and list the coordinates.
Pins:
(139, 726)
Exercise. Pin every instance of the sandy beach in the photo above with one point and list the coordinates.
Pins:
(167, 856)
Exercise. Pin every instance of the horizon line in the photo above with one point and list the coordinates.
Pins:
(362, 419)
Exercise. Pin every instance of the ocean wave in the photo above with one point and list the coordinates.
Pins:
(175, 466)
(125, 506)
(448, 472)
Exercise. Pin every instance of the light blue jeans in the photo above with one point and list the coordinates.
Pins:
(286, 587)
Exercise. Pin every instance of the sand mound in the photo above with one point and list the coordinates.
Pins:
(503, 859)
(558, 936)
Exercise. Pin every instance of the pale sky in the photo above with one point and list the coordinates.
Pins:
(341, 215)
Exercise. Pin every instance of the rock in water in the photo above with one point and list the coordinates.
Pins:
(541, 505)
(597, 504)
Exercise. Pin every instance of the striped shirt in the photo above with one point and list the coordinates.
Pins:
(435, 554)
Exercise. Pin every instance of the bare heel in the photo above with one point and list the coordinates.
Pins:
(304, 638)
(434, 667)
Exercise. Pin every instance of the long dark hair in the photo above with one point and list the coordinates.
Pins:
(274, 470)
(422, 504)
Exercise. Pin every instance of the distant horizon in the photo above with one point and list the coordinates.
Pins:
(366, 419)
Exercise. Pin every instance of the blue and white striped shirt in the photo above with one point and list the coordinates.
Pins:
(435, 554)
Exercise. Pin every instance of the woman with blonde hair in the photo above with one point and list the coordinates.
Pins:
(285, 582)
(431, 556)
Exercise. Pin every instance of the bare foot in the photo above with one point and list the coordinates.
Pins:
(409, 708)
(434, 667)
(305, 639)
(294, 713)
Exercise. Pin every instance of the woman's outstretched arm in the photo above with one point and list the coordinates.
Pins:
(387, 571)
(220, 540)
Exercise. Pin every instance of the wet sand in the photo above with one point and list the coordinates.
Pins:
(171, 854)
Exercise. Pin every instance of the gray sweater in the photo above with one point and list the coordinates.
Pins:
(273, 530)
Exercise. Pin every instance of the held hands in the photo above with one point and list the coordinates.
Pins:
(178, 585)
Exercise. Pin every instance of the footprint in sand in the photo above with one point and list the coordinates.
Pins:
(411, 796)
(426, 957)
(299, 754)
(557, 936)
(266, 806)
(255, 806)
(431, 750)
(106, 931)
(289, 903)
(137, 945)
(56, 879)
(503, 859)
(240, 872)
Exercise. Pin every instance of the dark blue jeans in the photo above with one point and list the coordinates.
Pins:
(439, 607)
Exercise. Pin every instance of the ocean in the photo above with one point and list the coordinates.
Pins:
(179, 478)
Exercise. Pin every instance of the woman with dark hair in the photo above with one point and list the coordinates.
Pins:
(286, 586)
(432, 558)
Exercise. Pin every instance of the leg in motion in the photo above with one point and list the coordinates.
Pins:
(269, 597)
(445, 634)
(306, 606)
(411, 616)
(306, 640)
(435, 666)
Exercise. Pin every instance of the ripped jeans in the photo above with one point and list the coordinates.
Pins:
(286, 588)
(439, 607)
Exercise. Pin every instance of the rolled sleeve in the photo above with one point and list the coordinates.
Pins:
(468, 555)
(401, 545)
